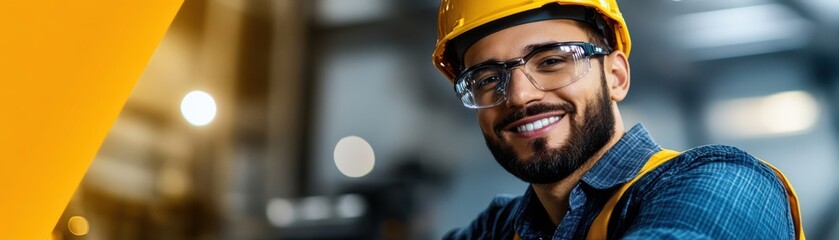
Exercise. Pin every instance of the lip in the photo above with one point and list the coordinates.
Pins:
(537, 133)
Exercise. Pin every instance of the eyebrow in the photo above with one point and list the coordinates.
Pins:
(529, 48)
(524, 51)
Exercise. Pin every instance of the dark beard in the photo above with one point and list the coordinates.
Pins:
(548, 165)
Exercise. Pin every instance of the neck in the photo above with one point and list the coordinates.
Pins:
(554, 196)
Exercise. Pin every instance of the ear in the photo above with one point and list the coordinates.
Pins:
(617, 75)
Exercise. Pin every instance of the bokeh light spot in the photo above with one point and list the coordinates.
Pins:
(280, 212)
(354, 156)
(78, 226)
(198, 108)
(315, 208)
(351, 206)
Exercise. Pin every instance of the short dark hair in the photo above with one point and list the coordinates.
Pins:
(604, 39)
(597, 37)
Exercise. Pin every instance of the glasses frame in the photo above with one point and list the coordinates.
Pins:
(589, 49)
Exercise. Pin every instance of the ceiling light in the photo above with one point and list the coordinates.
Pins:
(741, 31)
(777, 114)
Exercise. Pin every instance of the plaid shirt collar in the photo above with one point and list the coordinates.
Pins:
(623, 161)
(619, 165)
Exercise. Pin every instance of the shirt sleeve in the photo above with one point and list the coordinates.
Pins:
(490, 223)
(723, 194)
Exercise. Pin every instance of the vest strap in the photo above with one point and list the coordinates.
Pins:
(600, 227)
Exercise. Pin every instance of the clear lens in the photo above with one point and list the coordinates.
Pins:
(556, 67)
(482, 86)
(548, 68)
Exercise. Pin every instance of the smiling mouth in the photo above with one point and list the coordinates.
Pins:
(532, 122)
(536, 125)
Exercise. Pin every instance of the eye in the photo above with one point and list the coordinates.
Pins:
(486, 78)
(552, 63)
(487, 82)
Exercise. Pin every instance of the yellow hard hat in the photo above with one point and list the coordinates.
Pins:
(457, 17)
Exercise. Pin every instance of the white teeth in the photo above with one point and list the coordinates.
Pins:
(538, 124)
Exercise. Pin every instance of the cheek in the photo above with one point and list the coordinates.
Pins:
(582, 92)
(486, 120)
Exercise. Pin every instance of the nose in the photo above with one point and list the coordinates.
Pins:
(521, 90)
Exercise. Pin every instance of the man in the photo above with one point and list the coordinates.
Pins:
(545, 78)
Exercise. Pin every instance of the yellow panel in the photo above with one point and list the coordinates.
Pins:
(66, 69)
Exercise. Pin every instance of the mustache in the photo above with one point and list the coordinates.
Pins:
(537, 109)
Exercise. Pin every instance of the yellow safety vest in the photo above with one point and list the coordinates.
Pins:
(600, 226)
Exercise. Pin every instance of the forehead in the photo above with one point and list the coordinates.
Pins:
(509, 43)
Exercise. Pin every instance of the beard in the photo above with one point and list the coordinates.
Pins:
(588, 134)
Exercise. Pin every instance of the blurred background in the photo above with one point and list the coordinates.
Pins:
(325, 119)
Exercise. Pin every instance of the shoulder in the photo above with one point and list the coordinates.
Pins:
(711, 153)
(712, 160)
(717, 191)
(496, 219)
(717, 166)
(718, 153)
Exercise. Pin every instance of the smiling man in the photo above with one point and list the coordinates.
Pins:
(545, 79)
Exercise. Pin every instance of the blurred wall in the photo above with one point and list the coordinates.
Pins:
(293, 78)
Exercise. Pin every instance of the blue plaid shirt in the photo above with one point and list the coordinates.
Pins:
(709, 192)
